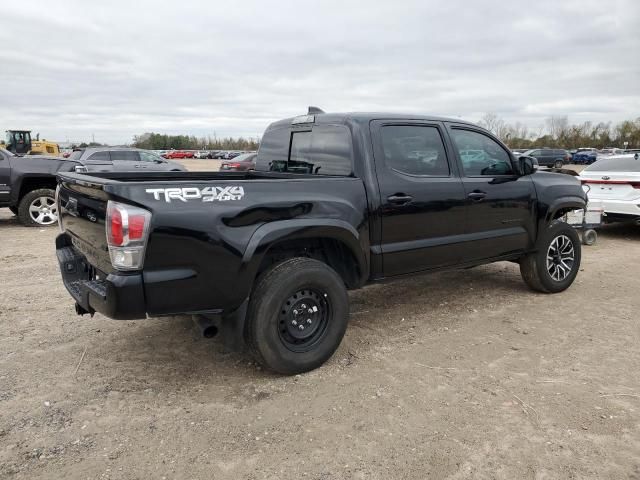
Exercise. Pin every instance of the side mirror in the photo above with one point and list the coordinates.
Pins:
(528, 165)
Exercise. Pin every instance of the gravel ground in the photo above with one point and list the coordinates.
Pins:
(463, 374)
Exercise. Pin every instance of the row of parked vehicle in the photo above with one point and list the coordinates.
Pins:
(200, 154)
(557, 157)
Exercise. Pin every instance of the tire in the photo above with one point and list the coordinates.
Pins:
(589, 237)
(14, 210)
(558, 164)
(293, 295)
(553, 277)
(32, 211)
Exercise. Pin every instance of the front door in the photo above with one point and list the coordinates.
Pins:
(422, 200)
(501, 207)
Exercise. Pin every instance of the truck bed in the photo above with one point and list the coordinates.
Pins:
(104, 178)
(206, 226)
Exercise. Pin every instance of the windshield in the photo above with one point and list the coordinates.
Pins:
(615, 164)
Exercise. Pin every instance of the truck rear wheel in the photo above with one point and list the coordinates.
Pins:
(297, 316)
(555, 264)
(38, 208)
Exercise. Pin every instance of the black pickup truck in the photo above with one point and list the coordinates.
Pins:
(336, 201)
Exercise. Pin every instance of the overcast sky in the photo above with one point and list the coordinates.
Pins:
(114, 69)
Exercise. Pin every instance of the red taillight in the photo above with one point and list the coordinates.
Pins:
(116, 235)
(136, 227)
(611, 182)
(234, 165)
(127, 233)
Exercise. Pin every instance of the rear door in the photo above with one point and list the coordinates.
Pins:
(98, 162)
(422, 197)
(500, 203)
(5, 178)
(126, 160)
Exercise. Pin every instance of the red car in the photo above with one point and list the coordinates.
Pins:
(178, 154)
(241, 163)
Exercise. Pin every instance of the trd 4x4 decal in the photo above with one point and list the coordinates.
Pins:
(207, 194)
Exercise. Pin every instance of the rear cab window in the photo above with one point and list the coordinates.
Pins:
(309, 149)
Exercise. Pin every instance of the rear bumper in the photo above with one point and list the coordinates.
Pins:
(629, 208)
(117, 296)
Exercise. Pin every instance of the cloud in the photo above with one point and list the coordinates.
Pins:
(121, 68)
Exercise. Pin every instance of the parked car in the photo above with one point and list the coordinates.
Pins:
(585, 156)
(122, 159)
(609, 151)
(201, 154)
(337, 201)
(615, 181)
(177, 154)
(549, 157)
(246, 161)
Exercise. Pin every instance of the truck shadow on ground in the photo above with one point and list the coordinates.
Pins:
(171, 352)
(9, 221)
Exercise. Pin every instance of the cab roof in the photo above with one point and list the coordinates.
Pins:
(360, 117)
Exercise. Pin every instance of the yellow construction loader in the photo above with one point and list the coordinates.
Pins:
(20, 143)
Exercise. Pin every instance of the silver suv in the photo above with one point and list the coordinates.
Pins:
(122, 159)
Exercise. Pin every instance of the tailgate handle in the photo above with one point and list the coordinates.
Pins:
(399, 199)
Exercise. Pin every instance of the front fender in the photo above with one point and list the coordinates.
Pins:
(562, 203)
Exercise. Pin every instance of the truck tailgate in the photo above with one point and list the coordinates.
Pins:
(82, 211)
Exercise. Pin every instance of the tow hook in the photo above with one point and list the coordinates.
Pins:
(80, 310)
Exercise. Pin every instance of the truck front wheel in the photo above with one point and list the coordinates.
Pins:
(555, 264)
(297, 316)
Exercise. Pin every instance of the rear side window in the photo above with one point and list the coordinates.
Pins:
(149, 157)
(99, 157)
(124, 155)
(324, 150)
(414, 150)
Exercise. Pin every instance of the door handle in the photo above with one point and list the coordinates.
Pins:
(399, 199)
(477, 196)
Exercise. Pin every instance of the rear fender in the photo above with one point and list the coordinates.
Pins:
(270, 234)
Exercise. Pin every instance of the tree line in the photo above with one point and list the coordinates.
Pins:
(158, 141)
(557, 132)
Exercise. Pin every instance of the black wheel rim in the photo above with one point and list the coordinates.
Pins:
(303, 319)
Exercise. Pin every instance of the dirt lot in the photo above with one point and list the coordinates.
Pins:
(463, 374)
